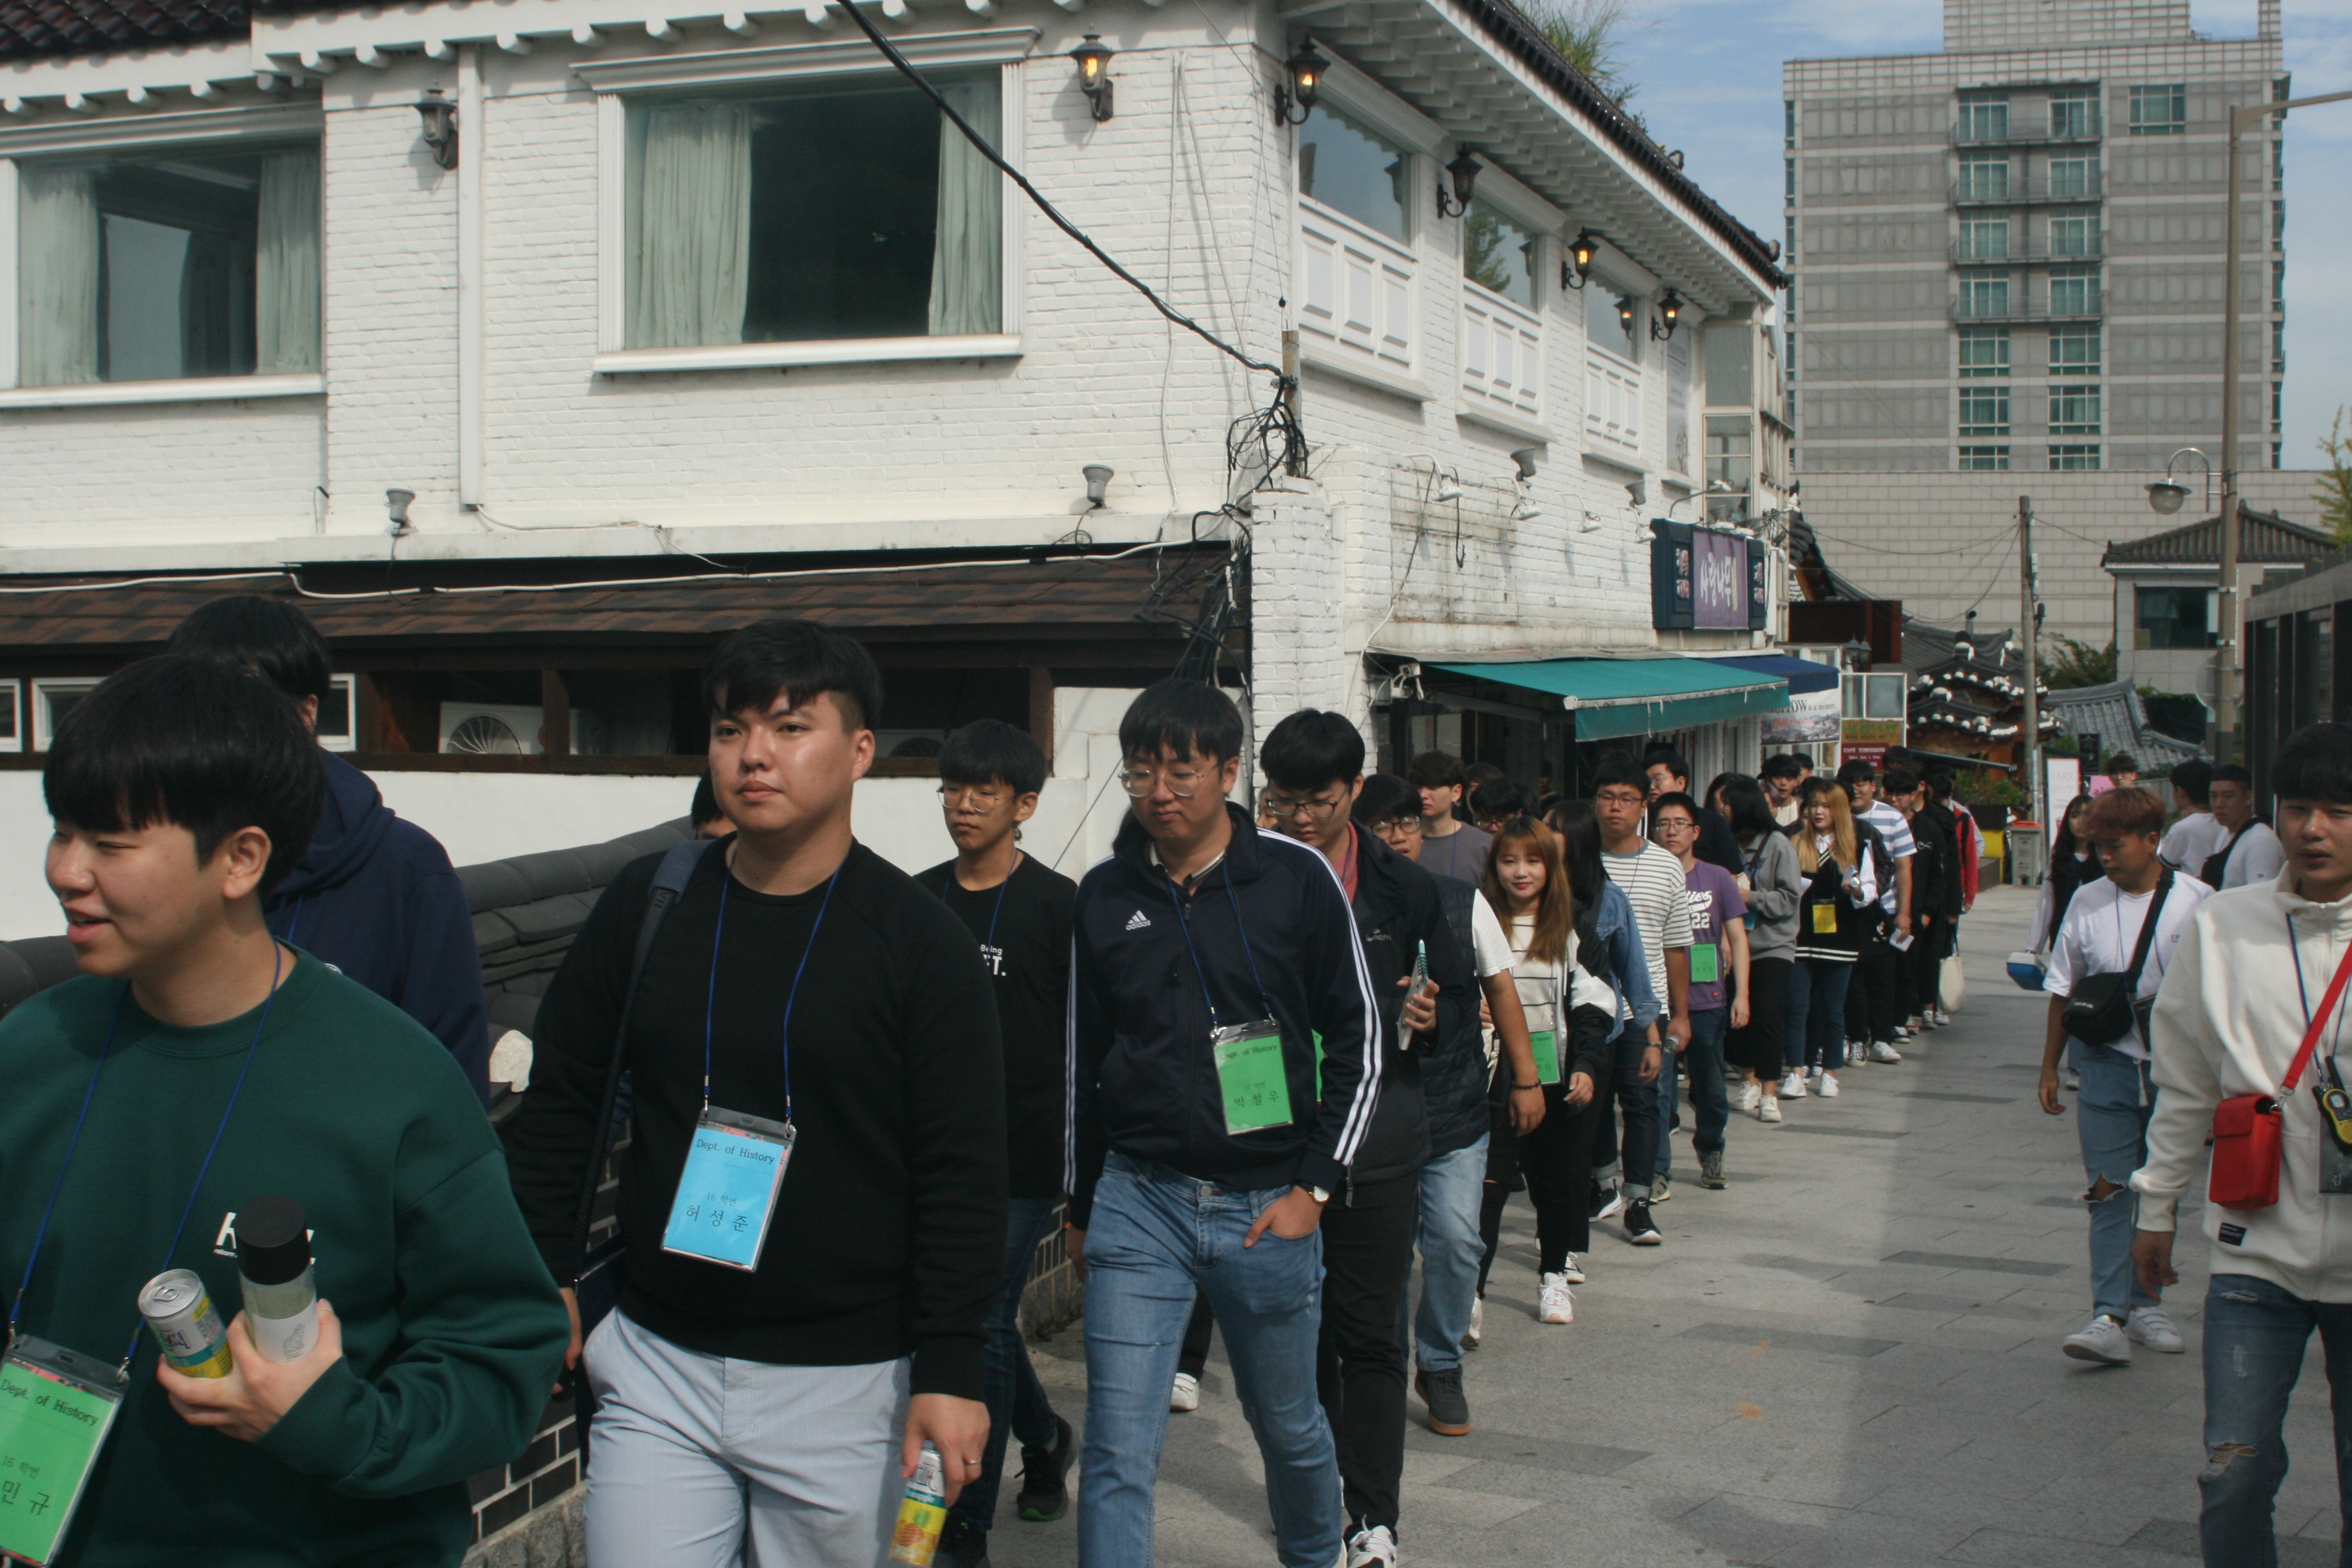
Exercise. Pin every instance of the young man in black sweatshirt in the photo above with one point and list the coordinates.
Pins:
(1018, 911)
(196, 1066)
(813, 1196)
(1206, 958)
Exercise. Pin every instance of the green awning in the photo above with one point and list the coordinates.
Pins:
(1613, 697)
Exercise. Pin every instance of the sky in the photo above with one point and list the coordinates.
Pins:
(1709, 83)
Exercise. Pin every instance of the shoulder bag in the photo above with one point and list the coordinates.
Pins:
(2216, 866)
(2247, 1127)
(2104, 1007)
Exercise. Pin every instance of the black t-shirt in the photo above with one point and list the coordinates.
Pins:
(1031, 964)
(889, 1233)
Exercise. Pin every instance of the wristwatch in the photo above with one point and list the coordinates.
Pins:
(1320, 1194)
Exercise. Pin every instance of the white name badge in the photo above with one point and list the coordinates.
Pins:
(726, 1192)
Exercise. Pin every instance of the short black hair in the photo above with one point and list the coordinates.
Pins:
(192, 741)
(1939, 784)
(1677, 765)
(798, 660)
(1857, 772)
(1436, 770)
(2122, 762)
(1617, 768)
(1384, 798)
(1178, 716)
(706, 803)
(1672, 797)
(1899, 781)
(1749, 810)
(1498, 800)
(1312, 749)
(2315, 763)
(989, 750)
(273, 636)
(1787, 766)
(2194, 778)
(1481, 774)
(2236, 773)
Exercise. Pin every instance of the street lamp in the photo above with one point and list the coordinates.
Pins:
(2166, 496)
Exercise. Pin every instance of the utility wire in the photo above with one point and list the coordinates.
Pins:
(890, 51)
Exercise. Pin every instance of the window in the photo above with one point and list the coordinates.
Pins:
(11, 732)
(843, 209)
(1986, 182)
(1984, 118)
(2074, 114)
(1729, 461)
(2065, 459)
(1499, 254)
(1984, 299)
(1984, 411)
(1984, 238)
(1731, 365)
(2073, 234)
(1350, 170)
(2073, 176)
(1990, 459)
(1984, 351)
(335, 729)
(52, 701)
(1874, 696)
(2173, 618)
(1611, 320)
(2159, 110)
(1789, 121)
(2073, 353)
(1792, 176)
(2074, 291)
(2073, 410)
(165, 266)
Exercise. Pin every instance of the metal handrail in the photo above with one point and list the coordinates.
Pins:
(2027, 256)
(2018, 192)
(1966, 311)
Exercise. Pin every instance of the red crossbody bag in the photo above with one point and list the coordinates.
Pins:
(2247, 1127)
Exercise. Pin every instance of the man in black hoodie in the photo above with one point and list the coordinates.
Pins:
(1206, 957)
(374, 895)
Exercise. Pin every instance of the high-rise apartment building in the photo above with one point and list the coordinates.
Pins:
(2009, 255)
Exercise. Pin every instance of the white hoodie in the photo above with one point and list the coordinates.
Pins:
(2228, 1021)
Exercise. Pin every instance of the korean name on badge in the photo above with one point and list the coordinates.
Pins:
(1251, 1077)
(56, 1410)
(727, 1191)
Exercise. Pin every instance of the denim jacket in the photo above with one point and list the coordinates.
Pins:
(1627, 972)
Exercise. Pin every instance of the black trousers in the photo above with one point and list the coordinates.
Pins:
(1359, 1358)
(1759, 1046)
(1556, 1161)
(1872, 1000)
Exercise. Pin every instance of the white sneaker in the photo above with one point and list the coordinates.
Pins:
(2151, 1327)
(1750, 1098)
(1881, 1051)
(1373, 1548)
(1478, 1322)
(1856, 1051)
(2104, 1341)
(1942, 1019)
(1827, 1088)
(1186, 1395)
(1792, 1085)
(1572, 1271)
(1556, 1303)
(1770, 1110)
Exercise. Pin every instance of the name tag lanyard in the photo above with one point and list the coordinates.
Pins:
(710, 1001)
(1253, 1080)
(2334, 1105)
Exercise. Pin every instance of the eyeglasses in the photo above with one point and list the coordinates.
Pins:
(1182, 783)
(1397, 826)
(1306, 808)
(1676, 824)
(973, 794)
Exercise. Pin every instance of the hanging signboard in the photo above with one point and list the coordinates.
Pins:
(1809, 720)
(1866, 740)
(1704, 579)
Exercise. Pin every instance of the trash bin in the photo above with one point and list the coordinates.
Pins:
(2027, 854)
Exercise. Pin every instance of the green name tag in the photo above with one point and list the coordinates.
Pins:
(1546, 1050)
(1703, 965)
(1251, 1077)
(57, 1408)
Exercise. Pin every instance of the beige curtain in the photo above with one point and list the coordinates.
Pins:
(57, 292)
(693, 227)
(967, 248)
(286, 270)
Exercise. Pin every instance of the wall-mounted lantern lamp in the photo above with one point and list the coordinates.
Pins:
(1578, 265)
(1626, 309)
(440, 118)
(1303, 79)
(1669, 316)
(1094, 73)
(1462, 174)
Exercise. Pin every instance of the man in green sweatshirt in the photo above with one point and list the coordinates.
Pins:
(198, 1065)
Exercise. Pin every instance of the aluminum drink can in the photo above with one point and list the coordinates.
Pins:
(186, 1325)
(922, 1512)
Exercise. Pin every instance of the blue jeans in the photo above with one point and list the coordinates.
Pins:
(2111, 1116)
(1017, 1405)
(2254, 1338)
(1451, 1186)
(1817, 990)
(1156, 1238)
(1709, 1102)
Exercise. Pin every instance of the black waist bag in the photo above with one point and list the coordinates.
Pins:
(2103, 1008)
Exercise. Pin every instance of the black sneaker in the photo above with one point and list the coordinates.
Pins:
(1449, 1413)
(1607, 1201)
(1046, 1478)
(1638, 1228)
(962, 1544)
(1710, 1169)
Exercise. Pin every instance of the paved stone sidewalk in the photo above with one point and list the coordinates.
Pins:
(1848, 1357)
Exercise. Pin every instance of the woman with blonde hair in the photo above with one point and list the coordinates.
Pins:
(1832, 918)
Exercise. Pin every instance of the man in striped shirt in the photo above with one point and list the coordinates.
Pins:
(1875, 1004)
(1651, 881)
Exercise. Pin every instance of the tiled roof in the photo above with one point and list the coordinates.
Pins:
(2263, 538)
(30, 27)
(2113, 712)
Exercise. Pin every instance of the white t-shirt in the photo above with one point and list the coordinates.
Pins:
(2187, 841)
(2259, 857)
(1535, 980)
(2101, 929)
(1895, 830)
(1492, 950)
(1652, 881)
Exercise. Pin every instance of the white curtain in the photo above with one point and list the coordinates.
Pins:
(693, 223)
(286, 270)
(56, 290)
(967, 250)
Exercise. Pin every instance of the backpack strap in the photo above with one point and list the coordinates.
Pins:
(676, 869)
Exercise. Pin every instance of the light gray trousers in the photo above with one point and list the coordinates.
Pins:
(699, 1461)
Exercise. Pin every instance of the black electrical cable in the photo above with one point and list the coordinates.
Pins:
(890, 51)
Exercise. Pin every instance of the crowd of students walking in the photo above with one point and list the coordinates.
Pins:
(1256, 1069)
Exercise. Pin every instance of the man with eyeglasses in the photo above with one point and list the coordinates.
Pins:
(1206, 960)
(1018, 911)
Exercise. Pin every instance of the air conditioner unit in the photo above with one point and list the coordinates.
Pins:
(489, 729)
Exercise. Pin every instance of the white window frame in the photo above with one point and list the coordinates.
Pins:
(347, 687)
(12, 690)
(615, 81)
(1375, 356)
(1603, 363)
(1521, 410)
(43, 731)
(273, 122)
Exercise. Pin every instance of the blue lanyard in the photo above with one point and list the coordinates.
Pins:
(1185, 925)
(122, 1373)
(710, 1001)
